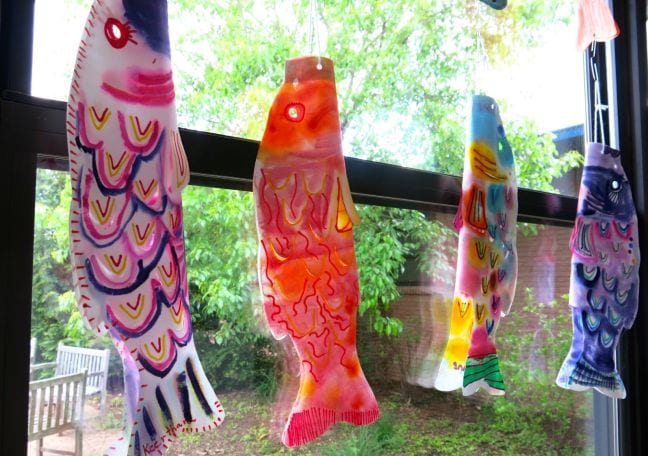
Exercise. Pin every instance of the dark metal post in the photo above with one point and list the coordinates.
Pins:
(629, 80)
(16, 39)
(17, 206)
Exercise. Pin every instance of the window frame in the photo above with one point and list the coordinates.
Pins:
(32, 135)
(628, 90)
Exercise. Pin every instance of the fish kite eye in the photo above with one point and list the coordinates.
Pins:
(615, 185)
(295, 112)
(118, 33)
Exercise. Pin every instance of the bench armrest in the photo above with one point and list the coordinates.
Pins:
(40, 366)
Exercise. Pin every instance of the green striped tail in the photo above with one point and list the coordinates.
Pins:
(484, 373)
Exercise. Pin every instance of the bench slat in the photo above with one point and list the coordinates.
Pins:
(42, 394)
(59, 395)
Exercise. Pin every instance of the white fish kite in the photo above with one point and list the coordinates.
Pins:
(128, 170)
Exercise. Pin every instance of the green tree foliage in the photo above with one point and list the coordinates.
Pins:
(52, 275)
(534, 358)
(404, 70)
(385, 240)
(221, 242)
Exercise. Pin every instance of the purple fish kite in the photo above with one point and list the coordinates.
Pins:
(603, 293)
(128, 170)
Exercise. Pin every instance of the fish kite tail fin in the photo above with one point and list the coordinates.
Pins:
(483, 372)
(451, 370)
(358, 405)
(449, 377)
(321, 404)
(579, 375)
(168, 403)
(450, 374)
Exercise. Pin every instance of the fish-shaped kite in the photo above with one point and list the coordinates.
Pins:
(307, 265)
(594, 23)
(487, 257)
(604, 287)
(128, 170)
(496, 4)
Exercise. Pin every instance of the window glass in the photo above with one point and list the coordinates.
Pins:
(405, 71)
(57, 335)
(407, 262)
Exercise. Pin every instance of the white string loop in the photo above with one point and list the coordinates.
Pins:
(313, 32)
(599, 107)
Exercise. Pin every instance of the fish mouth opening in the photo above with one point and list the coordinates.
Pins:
(142, 87)
(310, 68)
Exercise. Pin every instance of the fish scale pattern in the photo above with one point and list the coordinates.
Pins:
(128, 169)
(605, 274)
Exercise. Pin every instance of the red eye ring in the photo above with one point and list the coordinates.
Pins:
(117, 33)
(295, 112)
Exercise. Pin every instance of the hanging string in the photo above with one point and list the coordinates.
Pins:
(313, 32)
(599, 107)
(483, 66)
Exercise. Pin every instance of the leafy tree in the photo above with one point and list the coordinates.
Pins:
(220, 230)
(52, 276)
(403, 71)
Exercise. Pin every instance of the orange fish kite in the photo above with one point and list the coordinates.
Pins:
(307, 265)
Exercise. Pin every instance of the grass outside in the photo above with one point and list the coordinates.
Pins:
(534, 418)
(414, 421)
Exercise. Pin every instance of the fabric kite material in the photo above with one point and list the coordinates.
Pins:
(487, 257)
(307, 265)
(595, 23)
(128, 170)
(604, 287)
(495, 4)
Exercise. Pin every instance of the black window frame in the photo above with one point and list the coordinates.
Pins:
(32, 135)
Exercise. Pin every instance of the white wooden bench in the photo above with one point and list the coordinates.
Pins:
(56, 405)
(71, 360)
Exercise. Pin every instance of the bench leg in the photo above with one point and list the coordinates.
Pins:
(78, 442)
(103, 402)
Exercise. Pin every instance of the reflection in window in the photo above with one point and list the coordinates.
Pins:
(404, 69)
(406, 260)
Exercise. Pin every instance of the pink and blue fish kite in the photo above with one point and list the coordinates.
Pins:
(487, 256)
